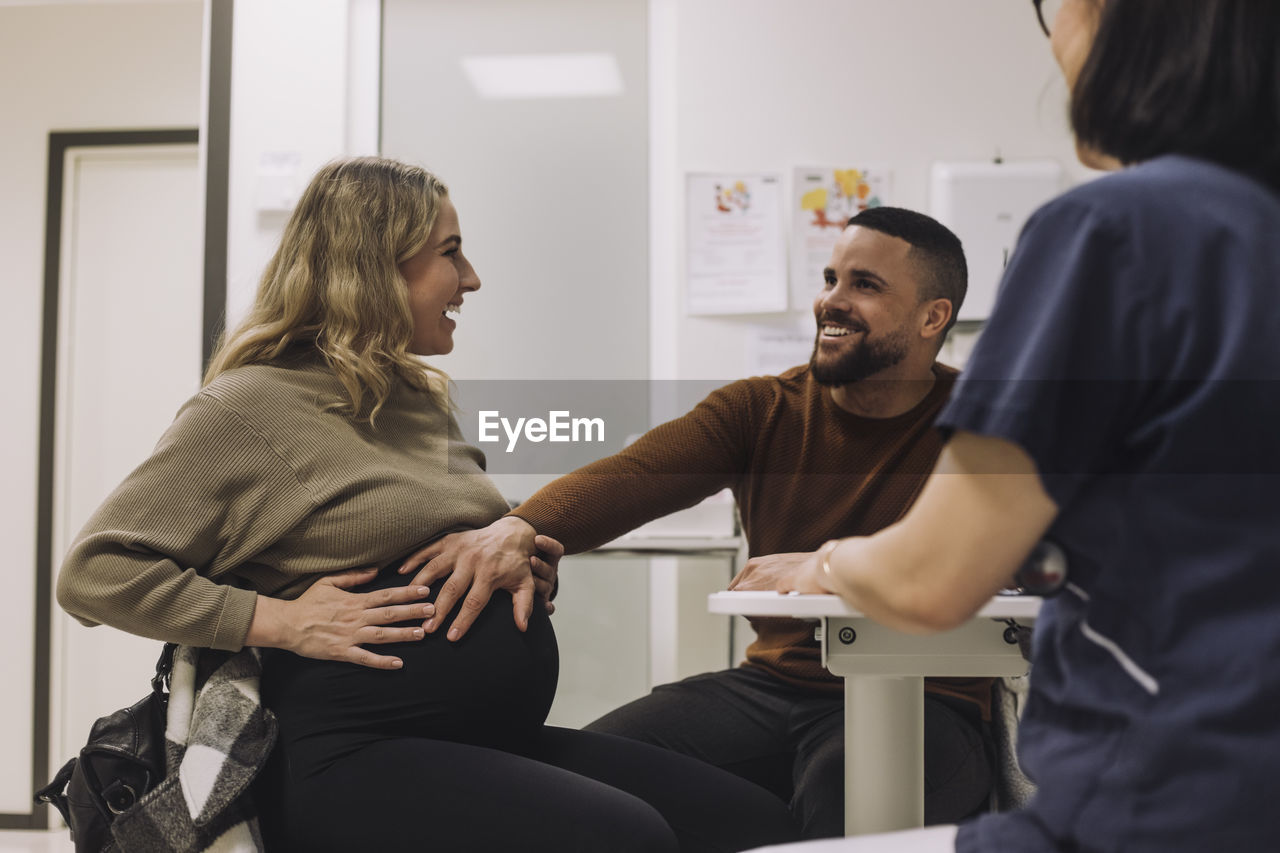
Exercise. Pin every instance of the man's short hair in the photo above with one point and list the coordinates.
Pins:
(1193, 77)
(934, 248)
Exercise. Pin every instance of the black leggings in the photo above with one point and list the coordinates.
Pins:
(791, 742)
(450, 753)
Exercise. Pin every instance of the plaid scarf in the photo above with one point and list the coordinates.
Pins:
(217, 738)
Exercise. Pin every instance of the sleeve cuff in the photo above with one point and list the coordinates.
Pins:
(1011, 424)
(236, 617)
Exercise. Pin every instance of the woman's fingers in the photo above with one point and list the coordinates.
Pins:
(329, 622)
(384, 634)
(364, 657)
(390, 614)
(394, 595)
(379, 626)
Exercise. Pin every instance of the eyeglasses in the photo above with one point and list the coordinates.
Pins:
(1046, 12)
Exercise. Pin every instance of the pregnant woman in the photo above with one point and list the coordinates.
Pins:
(320, 442)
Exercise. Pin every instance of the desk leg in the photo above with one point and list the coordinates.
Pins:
(884, 754)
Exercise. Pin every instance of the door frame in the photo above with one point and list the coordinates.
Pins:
(60, 143)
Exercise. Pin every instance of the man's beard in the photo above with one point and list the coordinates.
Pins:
(866, 359)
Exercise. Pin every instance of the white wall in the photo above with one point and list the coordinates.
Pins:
(766, 85)
(304, 75)
(551, 191)
(62, 67)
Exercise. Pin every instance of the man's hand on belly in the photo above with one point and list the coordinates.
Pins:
(505, 555)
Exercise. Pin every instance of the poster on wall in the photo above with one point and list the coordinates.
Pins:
(823, 199)
(735, 249)
(777, 347)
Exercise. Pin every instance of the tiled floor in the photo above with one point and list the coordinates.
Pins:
(24, 841)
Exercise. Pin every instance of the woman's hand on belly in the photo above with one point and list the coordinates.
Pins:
(329, 623)
(503, 555)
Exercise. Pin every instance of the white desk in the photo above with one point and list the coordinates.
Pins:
(883, 672)
(674, 546)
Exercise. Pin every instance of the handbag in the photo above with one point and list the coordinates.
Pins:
(123, 760)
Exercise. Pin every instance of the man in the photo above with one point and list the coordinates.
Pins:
(839, 447)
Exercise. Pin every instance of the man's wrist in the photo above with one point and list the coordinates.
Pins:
(517, 520)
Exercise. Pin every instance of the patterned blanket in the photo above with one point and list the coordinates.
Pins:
(217, 739)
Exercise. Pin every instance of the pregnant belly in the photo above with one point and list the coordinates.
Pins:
(492, 687)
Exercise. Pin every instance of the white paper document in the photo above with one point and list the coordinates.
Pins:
(735, 250)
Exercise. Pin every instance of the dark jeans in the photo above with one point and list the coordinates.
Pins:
(791, 741)
(450, 753)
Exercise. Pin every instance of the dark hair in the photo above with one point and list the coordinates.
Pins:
(1194, 77)
(933, 247)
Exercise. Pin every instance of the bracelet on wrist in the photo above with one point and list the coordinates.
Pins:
(824, 560)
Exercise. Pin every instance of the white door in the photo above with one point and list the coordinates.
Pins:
(129, 354)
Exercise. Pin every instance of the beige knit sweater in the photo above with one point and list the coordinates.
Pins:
(260, 486)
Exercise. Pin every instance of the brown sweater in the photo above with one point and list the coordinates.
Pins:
(802, 470)
(260, 486)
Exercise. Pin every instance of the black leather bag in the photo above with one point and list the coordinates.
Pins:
(123, 760)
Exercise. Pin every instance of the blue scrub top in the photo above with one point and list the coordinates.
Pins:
(1134, 353)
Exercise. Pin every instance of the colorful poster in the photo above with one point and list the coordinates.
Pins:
(735, 250)
(823, 200)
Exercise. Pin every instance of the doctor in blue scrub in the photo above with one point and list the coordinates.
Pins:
(1124, 403)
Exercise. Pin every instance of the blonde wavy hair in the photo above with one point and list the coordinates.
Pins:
(334, 287)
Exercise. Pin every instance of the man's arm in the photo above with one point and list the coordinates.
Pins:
(669, 468)
(981, 513)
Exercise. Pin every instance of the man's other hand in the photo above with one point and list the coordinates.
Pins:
(767, 571)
